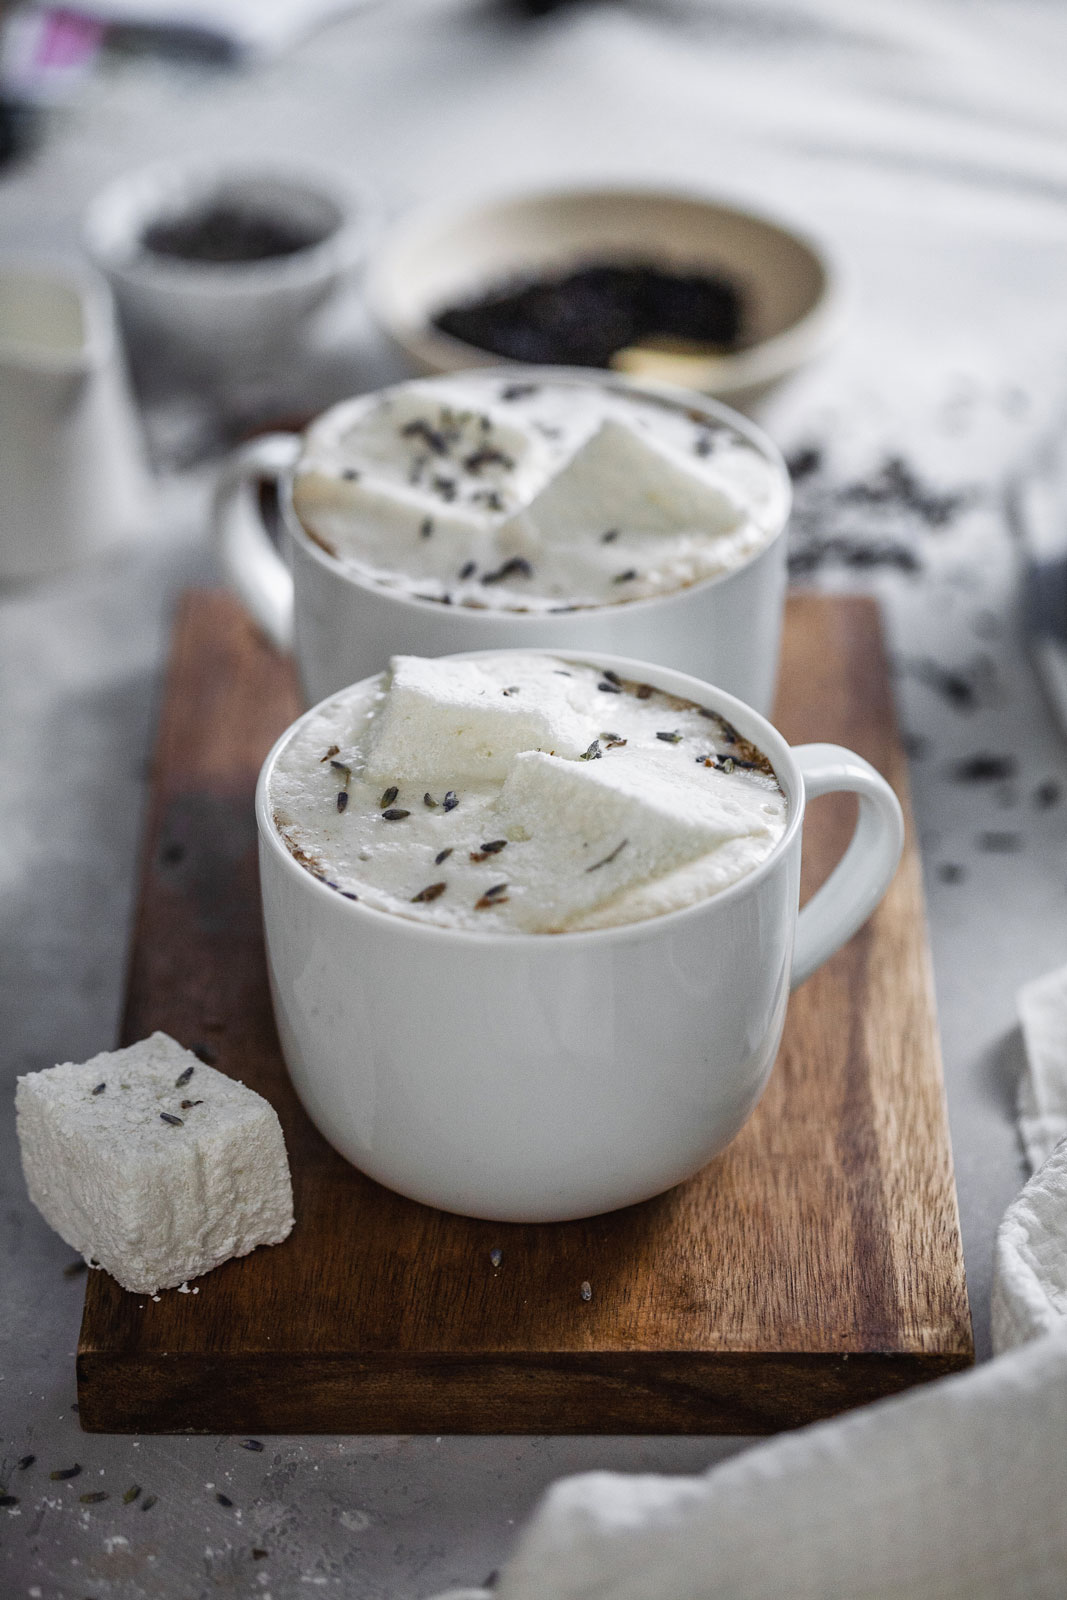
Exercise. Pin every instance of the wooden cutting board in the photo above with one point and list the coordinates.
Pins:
(815, 1265)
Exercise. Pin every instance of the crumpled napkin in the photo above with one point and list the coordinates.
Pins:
(1043, 1086)
(955, 1491)
(1030, 1263)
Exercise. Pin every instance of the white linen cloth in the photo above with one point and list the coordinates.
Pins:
(1043, 1085)
(955, 1491)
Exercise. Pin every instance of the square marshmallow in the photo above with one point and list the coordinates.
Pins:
(153, 1201)
(452, 721)
(600, 827)
(619, 478)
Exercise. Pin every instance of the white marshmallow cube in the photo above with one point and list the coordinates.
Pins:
(154, 1191)
(593, 829)
(620, 478)
(449, 721)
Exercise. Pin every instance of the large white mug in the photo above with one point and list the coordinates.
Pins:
(544, 1077)
(73, 479)
(343, 627)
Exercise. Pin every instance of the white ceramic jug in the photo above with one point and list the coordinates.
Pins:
(73, 478)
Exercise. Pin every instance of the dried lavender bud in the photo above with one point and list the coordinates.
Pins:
(516, 567)
(608, 859)
(422, 429)
(100, 1088)
(183, 1078)
(168, 1117)
(431, 892)
(395, 814)
(442, 855)
(985, 768)
(486, 456)
(389, 796)
(451, 800)
(342, 799)
(487, 850)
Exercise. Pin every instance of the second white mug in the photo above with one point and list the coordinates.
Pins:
(343, 626)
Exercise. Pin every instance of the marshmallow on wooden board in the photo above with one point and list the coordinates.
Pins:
(151, 1164)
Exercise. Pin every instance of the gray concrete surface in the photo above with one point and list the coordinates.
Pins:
(925, 143)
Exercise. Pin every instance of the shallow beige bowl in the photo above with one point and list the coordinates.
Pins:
(446, 255)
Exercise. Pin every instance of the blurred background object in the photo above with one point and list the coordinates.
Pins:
(219, 269)
(444, 271)
(241, 29)
(72, 474)
(1036, 507)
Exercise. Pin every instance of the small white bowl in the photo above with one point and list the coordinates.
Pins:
(445, 256)
(225, 315)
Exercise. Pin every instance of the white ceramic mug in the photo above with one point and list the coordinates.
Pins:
(342, 627)
(543, 1077)
(73, 479)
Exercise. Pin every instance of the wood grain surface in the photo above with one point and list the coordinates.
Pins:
(814, 1265)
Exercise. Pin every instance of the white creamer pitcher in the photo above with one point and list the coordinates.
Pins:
(73, 478)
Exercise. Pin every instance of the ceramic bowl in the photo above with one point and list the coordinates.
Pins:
(229, 315)
(447, 255)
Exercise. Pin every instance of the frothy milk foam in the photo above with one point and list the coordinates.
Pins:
(478, 491)
(524, 794)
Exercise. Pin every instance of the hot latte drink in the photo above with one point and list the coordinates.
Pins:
(522, 794)
(482, 491)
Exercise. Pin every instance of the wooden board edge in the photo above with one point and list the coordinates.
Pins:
(606, 1393)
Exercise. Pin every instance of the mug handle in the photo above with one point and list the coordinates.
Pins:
(249, 558)
(865, 871)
